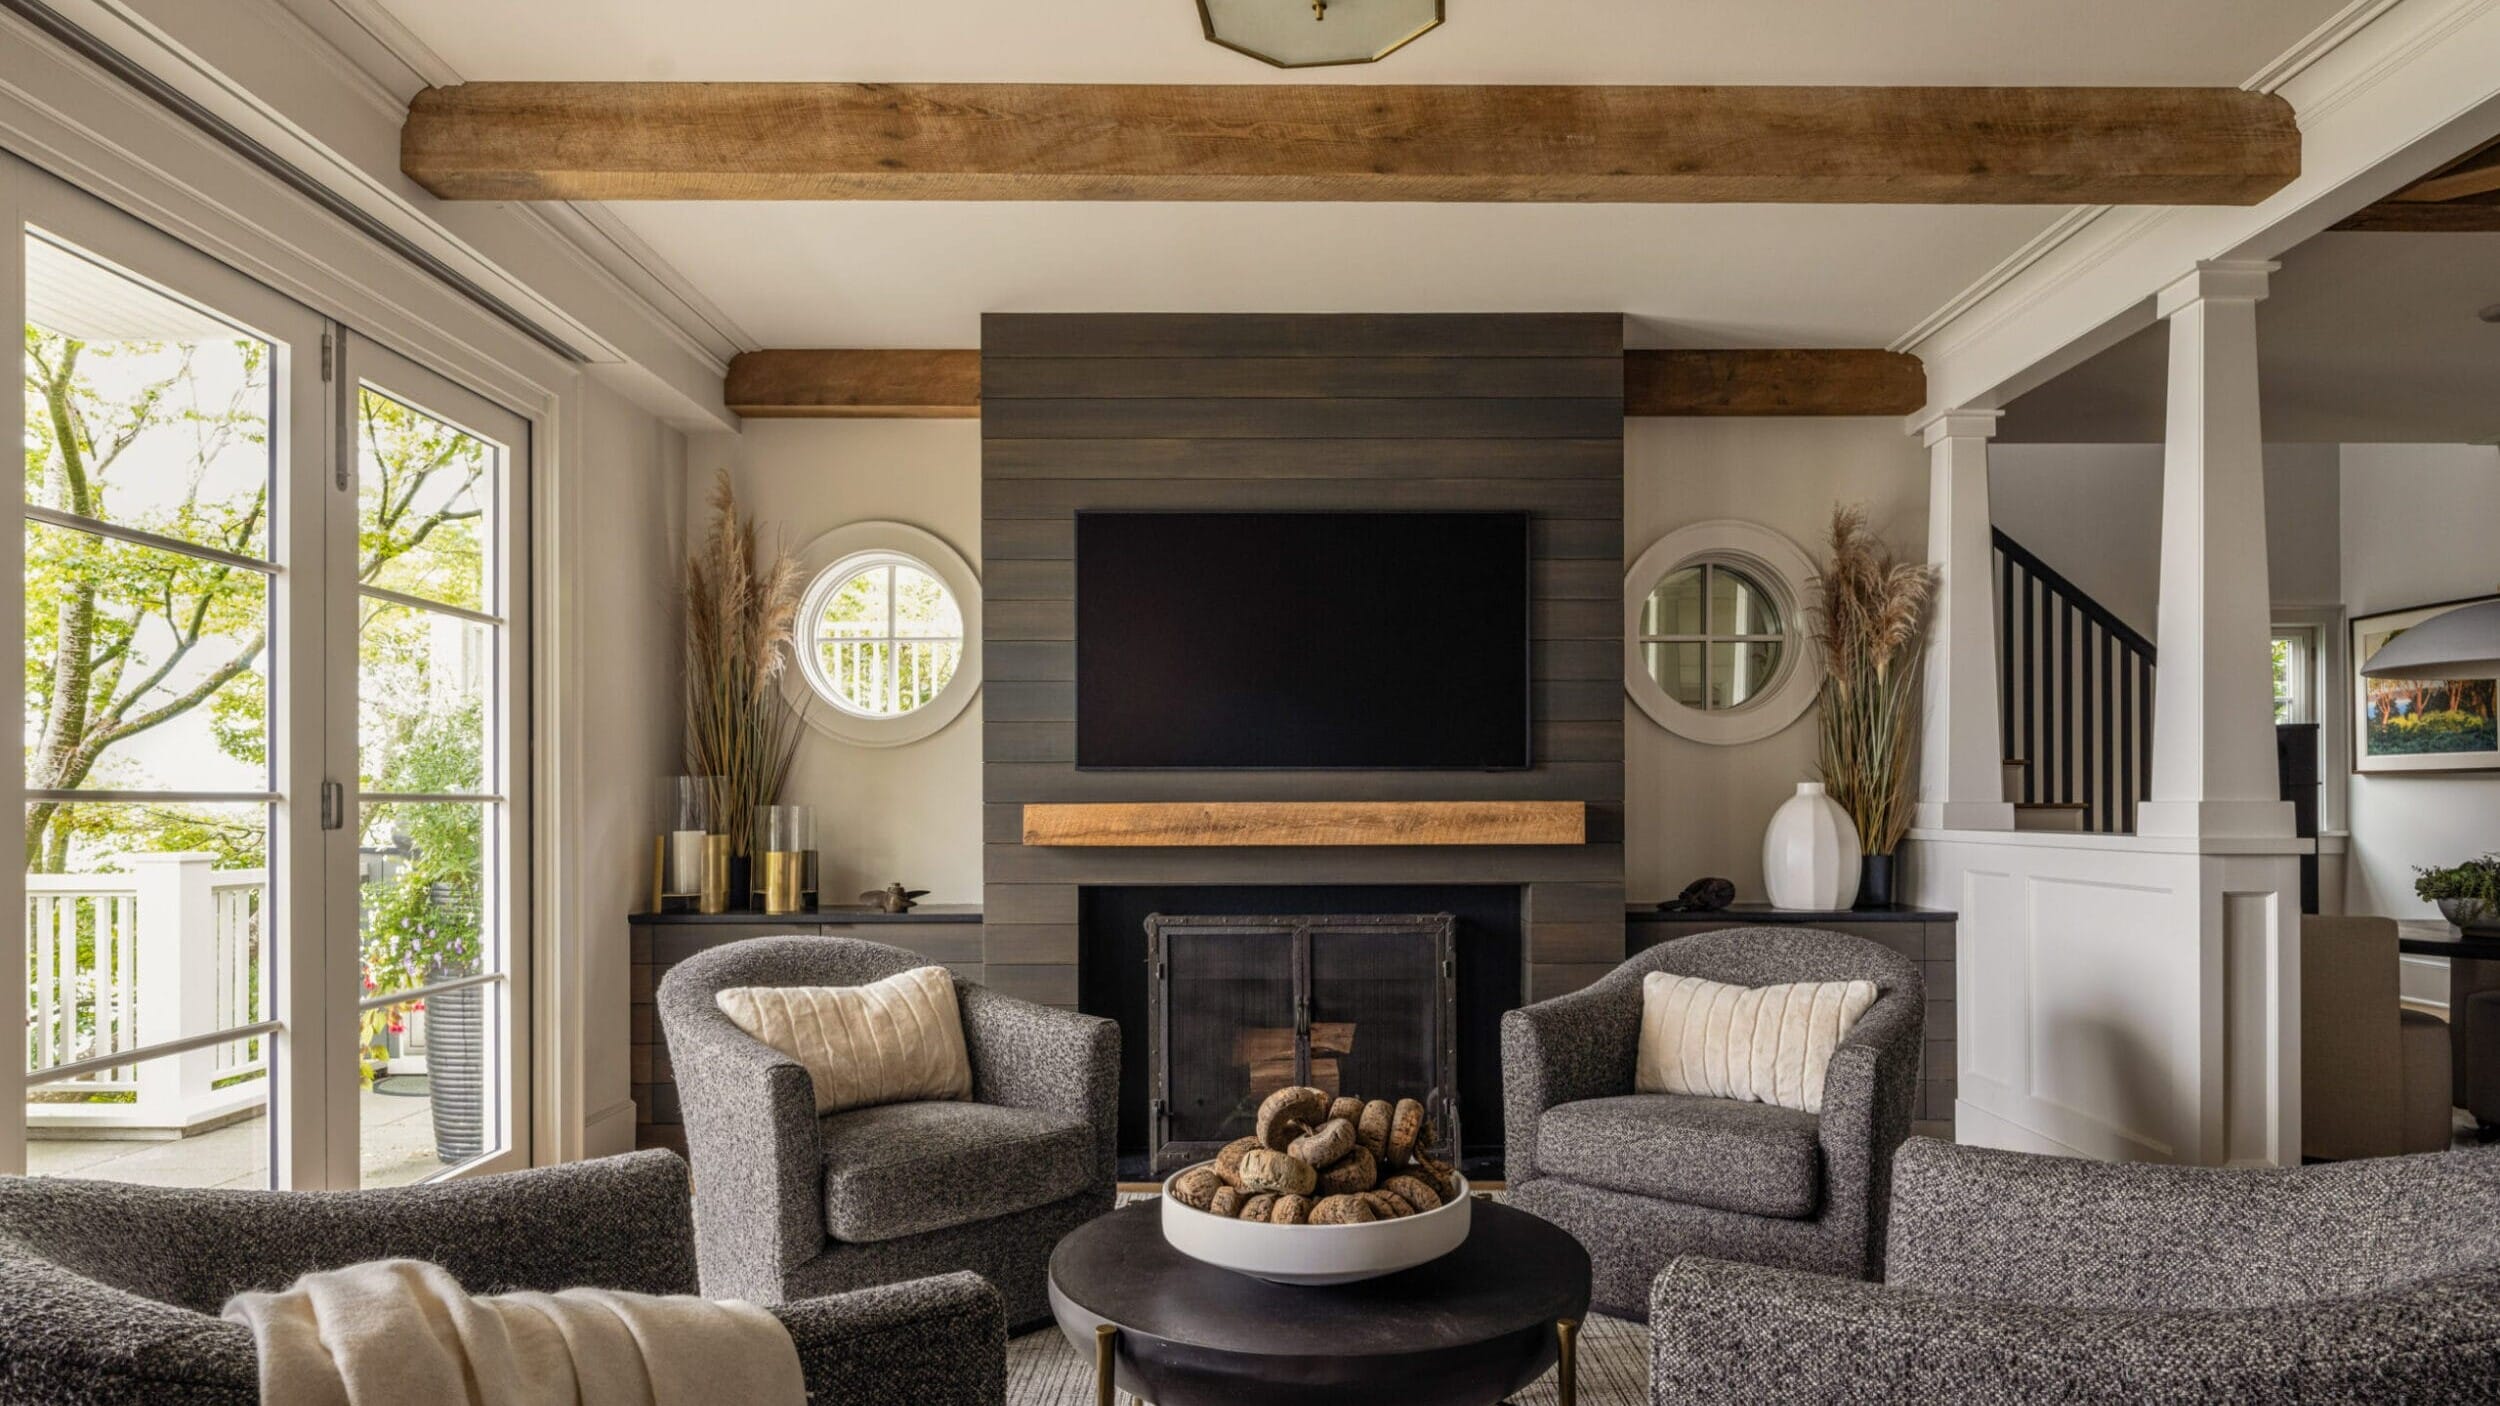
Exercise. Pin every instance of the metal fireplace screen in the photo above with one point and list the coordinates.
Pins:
(1246, 1006)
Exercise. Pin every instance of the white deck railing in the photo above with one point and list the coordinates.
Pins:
(119, 962)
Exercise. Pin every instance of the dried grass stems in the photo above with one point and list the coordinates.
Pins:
(1868, 615)
(741, 619)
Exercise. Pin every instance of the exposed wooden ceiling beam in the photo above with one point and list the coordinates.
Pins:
(914, 384)
(2406, 217)
(1816, 381)
(888, 384)
(1018, 141)
(2477, 174)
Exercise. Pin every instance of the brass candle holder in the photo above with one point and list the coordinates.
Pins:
(785, 859)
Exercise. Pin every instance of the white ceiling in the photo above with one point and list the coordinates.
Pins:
(920, 274)
(1485, 41)
(2364, 339)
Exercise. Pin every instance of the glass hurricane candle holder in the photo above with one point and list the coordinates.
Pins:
(785, 862)
(684, 822)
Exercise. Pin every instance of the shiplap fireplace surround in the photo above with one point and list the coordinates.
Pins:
(1285, 412)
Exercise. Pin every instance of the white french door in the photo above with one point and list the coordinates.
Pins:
(430, 522)
(270, 827)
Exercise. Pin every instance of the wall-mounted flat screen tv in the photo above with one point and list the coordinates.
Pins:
(1362, 641)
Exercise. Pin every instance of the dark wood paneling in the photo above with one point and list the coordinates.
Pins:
(1027, 702)
(1302, 377)
(1434, 457)
(1576, 903)
(1058, 498)
(1088, 335)
(1012, 579)
(1302, 413)
(1218, 417)
(1551, 539)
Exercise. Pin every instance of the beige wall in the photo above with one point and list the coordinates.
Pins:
(882, 813)
(2418, 524)
(1693, 810)
(632, 510)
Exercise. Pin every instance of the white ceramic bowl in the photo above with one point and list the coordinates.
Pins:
(1316, 1254)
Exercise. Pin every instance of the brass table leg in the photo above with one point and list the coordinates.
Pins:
(1566, 1371)
(1106, 1339)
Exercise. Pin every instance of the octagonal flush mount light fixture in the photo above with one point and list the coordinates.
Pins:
(1316, 33)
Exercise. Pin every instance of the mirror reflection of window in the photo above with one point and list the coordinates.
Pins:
(1713, 636)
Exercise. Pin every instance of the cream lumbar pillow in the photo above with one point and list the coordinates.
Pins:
(1759, 1044)
(899, 1040)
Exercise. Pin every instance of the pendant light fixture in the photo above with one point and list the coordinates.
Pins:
(1315, 33)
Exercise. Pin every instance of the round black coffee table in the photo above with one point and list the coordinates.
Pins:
(1468, 1329)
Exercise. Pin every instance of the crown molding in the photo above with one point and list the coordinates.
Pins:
(278, 75)
(2383, 94)
(2328, 38)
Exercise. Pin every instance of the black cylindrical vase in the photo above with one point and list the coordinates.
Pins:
(1875, 881)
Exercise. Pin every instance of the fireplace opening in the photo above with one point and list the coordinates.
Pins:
(1270, 979)
(1346, 1004)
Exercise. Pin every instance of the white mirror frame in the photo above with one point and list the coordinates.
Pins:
(1782, 567)
(944, 562)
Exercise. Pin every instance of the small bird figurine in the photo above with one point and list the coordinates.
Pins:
(893, 898)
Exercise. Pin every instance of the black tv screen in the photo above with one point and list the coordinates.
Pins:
(1373, 641)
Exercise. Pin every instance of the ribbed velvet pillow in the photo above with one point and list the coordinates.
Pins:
(1759, 1044)
(899, 1040)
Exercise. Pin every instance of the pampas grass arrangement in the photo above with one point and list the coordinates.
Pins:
(1868, 614)
(741, 618)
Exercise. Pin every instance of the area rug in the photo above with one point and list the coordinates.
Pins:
(1043, 1370)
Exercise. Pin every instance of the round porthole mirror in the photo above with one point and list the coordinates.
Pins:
(1715, 646)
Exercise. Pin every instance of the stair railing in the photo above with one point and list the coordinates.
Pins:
(2075, 691)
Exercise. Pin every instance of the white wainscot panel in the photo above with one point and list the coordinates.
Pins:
(2118, 998)
(2112, 1009)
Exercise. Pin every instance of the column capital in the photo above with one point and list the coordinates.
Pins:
(2217, 280)
(1934, 429)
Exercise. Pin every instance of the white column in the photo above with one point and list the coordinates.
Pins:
(1961, 761)
(2213, 746)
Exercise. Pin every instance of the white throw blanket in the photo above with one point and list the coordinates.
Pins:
(404, 1333)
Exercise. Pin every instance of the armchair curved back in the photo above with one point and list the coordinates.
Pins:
(2076, 1233)
(687, 994)
(111, 1291)
(1767, 956)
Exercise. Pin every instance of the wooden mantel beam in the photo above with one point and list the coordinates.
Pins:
(902, 384)
(1258, 141)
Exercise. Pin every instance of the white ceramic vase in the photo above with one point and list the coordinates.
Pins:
(1810, 852)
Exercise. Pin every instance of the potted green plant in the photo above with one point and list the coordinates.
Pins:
(2468, 894)
(1868, 616)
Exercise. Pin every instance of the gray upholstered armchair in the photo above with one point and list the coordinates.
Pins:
(109, 1293)
(1643, 1178)
(789, 1205)
(2047, 1279)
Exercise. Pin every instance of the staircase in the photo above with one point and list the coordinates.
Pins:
(2075, 691)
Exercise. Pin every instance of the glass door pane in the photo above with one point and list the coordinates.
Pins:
(439, 1040)
(152, 590)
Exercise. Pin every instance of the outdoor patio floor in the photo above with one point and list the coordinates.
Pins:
(397, 1148)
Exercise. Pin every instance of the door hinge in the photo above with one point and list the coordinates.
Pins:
(329, 357)
(333, 806)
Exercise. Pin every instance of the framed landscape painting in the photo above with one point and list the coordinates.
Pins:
(2402, 725)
